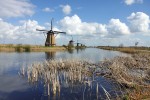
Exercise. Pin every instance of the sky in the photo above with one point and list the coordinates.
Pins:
(91, 22)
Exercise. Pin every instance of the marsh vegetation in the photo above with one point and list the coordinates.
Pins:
(28, 48)
(132, 49)
(130, 74)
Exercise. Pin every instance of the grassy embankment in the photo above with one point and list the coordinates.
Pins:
(27, 48)
(126, 49)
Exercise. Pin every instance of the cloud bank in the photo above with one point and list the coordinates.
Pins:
(75, 26)
(15, 8)
(138, 23)
(26, 31)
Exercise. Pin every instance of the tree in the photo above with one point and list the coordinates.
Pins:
(136, 43)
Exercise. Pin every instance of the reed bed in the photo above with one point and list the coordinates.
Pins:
(71, 72)
(55, 72)
(132, 73)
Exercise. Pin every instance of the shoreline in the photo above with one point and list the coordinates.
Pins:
(29, 48)
(129, 50)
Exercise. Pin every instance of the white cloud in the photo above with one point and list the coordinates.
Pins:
(130, 2)
(48, 9)
(116, 27)
(74, 26)
(139, 22)
(26, 31)
(66, 9)
(6, 29)
(15, 8)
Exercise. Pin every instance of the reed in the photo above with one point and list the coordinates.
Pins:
(106, 93)
(54, 72)
(129, 71)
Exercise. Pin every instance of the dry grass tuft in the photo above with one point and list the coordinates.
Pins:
(130, 72)
(54, 72)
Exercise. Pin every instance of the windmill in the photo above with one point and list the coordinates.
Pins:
(71, 42)
(50, 38)
(78, 43)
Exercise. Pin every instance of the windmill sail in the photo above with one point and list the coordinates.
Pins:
(50, 39)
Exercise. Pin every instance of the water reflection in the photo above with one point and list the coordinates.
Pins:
(50, 55)
(13, 87)
(91, 54)
(14, 83)
(80, 49)
(71, 51)
(10, 84)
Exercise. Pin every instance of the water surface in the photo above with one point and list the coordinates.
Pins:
(14, 87)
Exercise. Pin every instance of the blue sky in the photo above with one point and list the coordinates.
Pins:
(93, 22)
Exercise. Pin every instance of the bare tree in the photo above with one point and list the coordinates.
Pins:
(136, 43)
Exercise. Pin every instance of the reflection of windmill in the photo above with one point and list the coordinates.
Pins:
(50, 39)
(50, 55)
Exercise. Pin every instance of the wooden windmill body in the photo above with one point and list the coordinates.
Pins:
(50, 40)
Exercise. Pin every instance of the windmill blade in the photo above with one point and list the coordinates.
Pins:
(52, 24)
(44, 35)
(56, 35)
(41, 30)
(63, 32)
(57, 32)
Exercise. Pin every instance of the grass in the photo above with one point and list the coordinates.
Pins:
(53, 72)
(27, 48)
(126, 49)
(22, 48)
(132, 73)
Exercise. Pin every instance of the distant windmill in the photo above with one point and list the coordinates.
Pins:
(50, 39)
(78, 43)
(71, 42)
